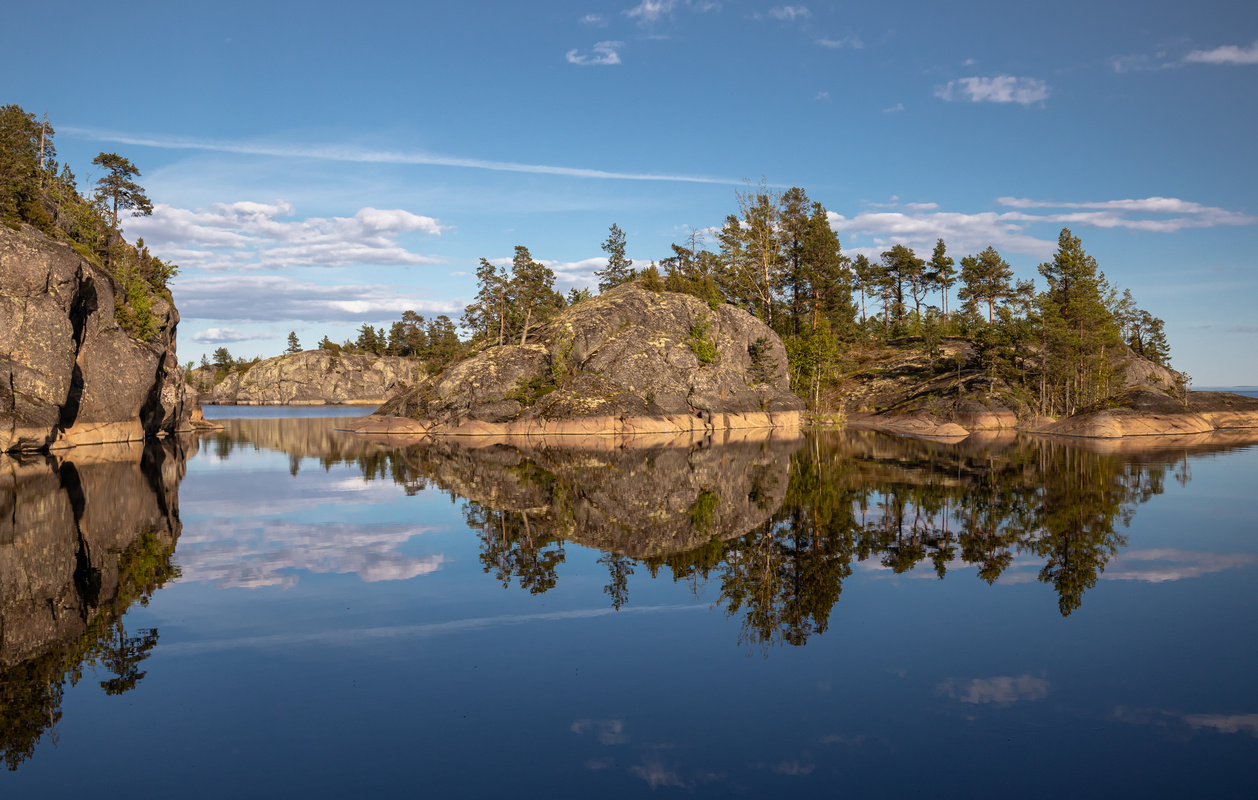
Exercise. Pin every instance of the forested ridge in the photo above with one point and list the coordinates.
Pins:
(1058, 349)
(37, 190)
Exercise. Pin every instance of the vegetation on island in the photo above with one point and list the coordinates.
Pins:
(1058, 349)
(36, 190)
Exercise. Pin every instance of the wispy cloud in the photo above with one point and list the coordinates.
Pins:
(898, 107)
(596, 20)
(649, 12)
(359, 155)
(851, 42)
(920, 224)
(822, 95)
(248, 235)
(790, 13)
(272, 298)
(224, 335)
(1153, 214)
(605, 53)
(997, 89)
(1229, 54)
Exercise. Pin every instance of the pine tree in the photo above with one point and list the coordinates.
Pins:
(294, 346)
(619, 269)
(941, 273)
(987, 278)
(1080, 337)
(531, 284)
(117, 189)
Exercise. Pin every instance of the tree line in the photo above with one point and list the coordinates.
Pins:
(36, 190)
(1059, 348)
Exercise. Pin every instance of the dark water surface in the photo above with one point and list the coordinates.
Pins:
(283, 609)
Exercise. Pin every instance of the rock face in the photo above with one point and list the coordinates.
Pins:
(626, 362)
(1142, 412)
(313, 378)
(69, 374)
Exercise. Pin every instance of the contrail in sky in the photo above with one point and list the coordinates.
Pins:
(363, 156)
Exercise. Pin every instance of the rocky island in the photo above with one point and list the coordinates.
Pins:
(629, 361)
(309, 378)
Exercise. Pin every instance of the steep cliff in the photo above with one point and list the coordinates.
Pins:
(310, 378)
(628, 361)
(69, 374)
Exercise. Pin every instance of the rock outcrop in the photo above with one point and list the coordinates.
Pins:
(630, 361)
(311, 378)
(69, 374)
(1143, 412)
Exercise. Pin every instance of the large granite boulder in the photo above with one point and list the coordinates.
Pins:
(312, 378)
(69, 374)
(629, 361)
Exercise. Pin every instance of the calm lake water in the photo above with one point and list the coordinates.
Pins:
(283, 609)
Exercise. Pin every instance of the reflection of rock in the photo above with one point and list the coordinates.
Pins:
(625, 362)
(639, 502)
(312, 378)
(69, 375)
(64, 523)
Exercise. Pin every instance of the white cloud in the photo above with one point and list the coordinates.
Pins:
(1002, 690)
(247, 235)
(604, 54)
(570, 274)
(790, 13)
(272, 298)
(1229, 54)
(853, 42)
(597, 20)
(1169, 214)
(969, 62)
(358, 155)
(894, 109)
(918, 225)
(962, 232)
(650, 11)
(823, 95)
(222, 335)
(998, 89)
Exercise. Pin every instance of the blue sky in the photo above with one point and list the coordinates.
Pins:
(318, 165)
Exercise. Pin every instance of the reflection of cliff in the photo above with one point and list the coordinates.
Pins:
(81, 538)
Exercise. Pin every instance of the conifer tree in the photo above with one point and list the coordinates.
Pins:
(1080, 337)
(294, 346)
(619, 269)
(941, 273)
(987, 278)
(531, 284)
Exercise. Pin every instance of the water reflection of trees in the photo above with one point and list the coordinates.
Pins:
(83, 538)
(776, 528)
